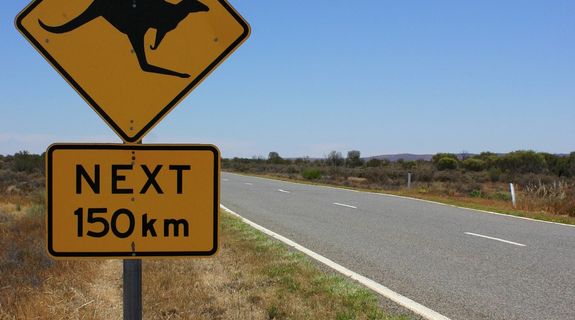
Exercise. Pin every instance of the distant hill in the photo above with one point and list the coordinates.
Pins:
(404, 156)
(427, 157)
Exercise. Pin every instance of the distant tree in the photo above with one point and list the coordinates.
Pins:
(447, 163)
(335, 159)
(489, 159)
(24, 161)
(558, 165)
(374, 163)
(473, 164)
(437, 157)
(465, 155)
(408, 165)
(523, 162)
(353, 159)
(258, 158)
(300, 161)
(571, 165)
(274, 158)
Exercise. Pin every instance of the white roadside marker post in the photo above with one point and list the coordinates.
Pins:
(512, 189)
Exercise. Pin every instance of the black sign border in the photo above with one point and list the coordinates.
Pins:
(129, 147)
(152, 123)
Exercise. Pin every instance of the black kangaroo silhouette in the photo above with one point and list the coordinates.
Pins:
(134, 18)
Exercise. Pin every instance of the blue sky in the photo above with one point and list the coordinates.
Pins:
(376, 76)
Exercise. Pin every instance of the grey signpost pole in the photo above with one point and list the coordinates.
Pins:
(132, 274)
(132, 289)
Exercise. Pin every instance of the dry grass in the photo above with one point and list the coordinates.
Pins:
(252, 277)
(558, 197)
(34, 286)
(489, 205)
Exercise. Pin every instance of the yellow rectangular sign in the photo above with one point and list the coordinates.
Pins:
(113, 200)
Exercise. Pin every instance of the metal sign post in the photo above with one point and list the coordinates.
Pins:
(132, 274)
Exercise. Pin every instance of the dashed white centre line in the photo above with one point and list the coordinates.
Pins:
(281, 190)
(344, 205)
(224, 179)
(248, 183)
(496, 239)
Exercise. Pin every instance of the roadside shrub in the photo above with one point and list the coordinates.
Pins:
(476, 193)
(423, 174)
(501, 195)
(494, 174)
(292, 169)
(479, 177)
(447, 176)
(469, 188)
(311, 173)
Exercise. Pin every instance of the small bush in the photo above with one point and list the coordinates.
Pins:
(473, 164)
(501, 195)
(476, 193)
(495, 174)
(311, 173)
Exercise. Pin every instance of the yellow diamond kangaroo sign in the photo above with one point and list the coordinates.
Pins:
(133, 60)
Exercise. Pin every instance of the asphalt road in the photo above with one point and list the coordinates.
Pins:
(436, 255)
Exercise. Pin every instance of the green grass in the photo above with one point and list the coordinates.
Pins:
(299, 281)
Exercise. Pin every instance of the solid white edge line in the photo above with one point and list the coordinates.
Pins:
(344, 205)
(496, 239)
(408, 198)
(419, 309)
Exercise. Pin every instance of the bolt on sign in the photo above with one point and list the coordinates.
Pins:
(133, 60)
(132, 201)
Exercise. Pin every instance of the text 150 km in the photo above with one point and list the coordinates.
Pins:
(99, 224)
